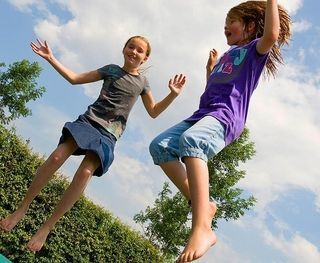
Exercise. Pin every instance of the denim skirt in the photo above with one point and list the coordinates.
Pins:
(90, 136)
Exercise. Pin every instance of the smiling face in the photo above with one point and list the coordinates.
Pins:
(135, 53)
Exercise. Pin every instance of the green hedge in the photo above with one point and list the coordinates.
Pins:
(88, 233)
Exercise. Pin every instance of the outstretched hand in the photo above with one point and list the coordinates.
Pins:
(212, 60)
(176, 84)
(42, 49)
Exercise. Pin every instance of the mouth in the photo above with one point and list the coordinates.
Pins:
(227, 34)
(131, 58)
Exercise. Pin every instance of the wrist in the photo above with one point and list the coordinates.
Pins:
(50, 58)
(173, 94)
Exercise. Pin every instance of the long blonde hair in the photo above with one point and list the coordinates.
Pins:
(254, 11)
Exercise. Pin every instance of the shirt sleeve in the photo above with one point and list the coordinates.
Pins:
(146, 86)
(103, 71)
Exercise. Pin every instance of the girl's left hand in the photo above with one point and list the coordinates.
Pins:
(176, 84)
(212, 60)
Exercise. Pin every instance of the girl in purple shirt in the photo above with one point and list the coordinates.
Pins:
(255, 30)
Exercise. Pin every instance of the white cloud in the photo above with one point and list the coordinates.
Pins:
(300, 26)
(222, 252)
(297, 249)
(133, 179)
(291, 5)
(43, 128)
(26, 5)
(284, 124)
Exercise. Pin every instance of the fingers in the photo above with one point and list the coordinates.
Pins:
(39, 44)
(34, 47)
(213, 52)
(179, 79)
(39, 41)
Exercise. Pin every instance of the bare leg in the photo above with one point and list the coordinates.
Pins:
(43, 175)
(82, 177)
(202, 237)
(177, 174)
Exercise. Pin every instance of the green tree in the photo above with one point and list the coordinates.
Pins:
(17, 87)
(167, 223)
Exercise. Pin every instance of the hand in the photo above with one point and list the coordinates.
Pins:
(177, 83)
(212, 60)
(42, 49)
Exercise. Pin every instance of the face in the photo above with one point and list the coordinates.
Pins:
(135, 52)
(234, 31)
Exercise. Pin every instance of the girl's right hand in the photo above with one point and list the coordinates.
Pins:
(42, 49)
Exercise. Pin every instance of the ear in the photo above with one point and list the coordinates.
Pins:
(251, 26)
(145, 59)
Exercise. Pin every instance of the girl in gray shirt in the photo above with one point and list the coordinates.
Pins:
(95, 132)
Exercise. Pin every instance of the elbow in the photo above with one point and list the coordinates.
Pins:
(74, 81)
(273, 36)
(153, 115)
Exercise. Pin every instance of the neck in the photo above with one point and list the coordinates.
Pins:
(131, 70)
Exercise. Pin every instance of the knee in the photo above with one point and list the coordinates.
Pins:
(56, 157)
(83, 174)
(86, 172)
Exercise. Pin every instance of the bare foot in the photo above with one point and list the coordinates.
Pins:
(37, 241)
(200, 240)
(10, 221)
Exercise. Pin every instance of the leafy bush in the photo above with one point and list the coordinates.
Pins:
(88, 233)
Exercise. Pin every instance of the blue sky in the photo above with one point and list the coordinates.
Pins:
(283, 119)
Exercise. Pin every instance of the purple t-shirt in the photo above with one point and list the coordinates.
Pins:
(229, 88)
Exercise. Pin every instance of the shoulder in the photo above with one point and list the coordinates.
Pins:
(253, 48)
(144, 83)
(110, 68)
(252, 45)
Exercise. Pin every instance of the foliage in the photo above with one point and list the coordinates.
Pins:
(87, 233)
(17, 87)
(167, 224)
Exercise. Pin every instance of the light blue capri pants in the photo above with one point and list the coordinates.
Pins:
(202, 139)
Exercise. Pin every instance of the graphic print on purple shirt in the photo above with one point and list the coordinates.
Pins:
(236, 56)
(229, 88)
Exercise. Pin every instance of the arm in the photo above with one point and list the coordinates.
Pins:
(42, 49)
(153, 108)
(271, 28)
(212, 60)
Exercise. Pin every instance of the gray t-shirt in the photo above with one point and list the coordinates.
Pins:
(119, 92)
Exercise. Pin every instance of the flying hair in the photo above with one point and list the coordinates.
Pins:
(254, 11)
